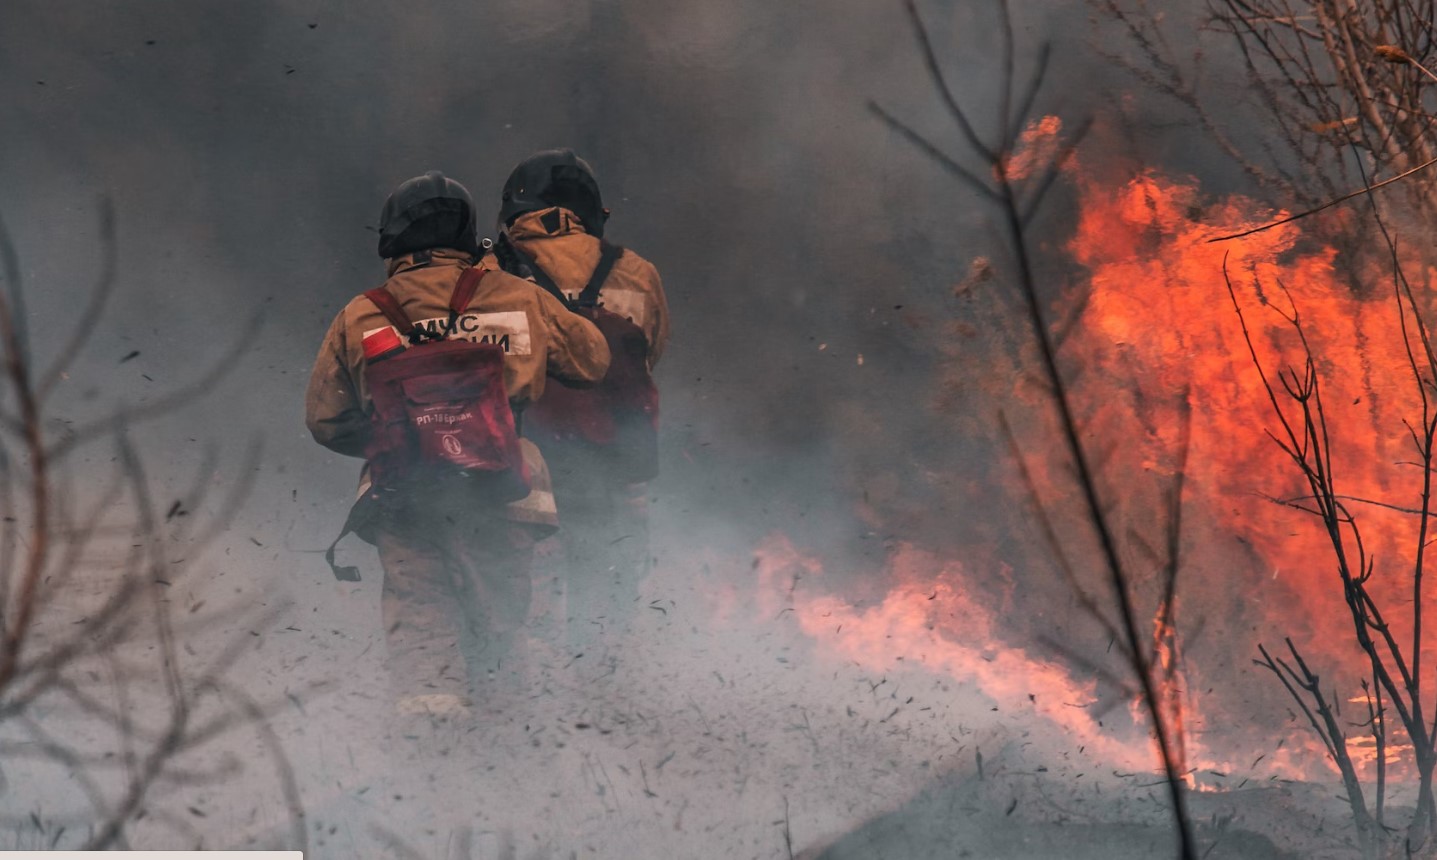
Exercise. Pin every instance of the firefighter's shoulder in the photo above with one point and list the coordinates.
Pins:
(633, 266)
(501, 286)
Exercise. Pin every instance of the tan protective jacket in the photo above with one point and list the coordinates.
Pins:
(539, 335)
(568, 255)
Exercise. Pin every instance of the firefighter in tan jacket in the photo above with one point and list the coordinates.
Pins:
(551, 224)
(456, 567)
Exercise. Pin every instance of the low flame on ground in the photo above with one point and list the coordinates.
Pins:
(930, 621)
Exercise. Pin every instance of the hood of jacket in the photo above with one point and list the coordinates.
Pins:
(556, 240)
(427, 257)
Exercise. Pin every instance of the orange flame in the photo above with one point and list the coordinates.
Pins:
(1159, 338)
(1158, 303)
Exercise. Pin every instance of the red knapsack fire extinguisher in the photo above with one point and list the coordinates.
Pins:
(441, 418)
(441, 411)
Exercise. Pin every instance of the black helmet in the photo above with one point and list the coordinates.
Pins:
(554, 177)
(429, 211)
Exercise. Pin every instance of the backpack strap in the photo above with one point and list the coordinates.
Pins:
(463, 294)
(608, 255)
(389, 306)
(464, 291)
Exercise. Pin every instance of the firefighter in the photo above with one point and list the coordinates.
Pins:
(456, 563)
(600, 443)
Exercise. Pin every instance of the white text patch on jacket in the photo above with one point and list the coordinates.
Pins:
(509, 329)
(633, 305)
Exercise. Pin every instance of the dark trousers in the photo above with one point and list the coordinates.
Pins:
(456, 592)
(602, 556)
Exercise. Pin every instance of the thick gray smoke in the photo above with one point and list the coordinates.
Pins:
(809, 256)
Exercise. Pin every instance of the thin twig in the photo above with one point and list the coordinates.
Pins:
(1329, 204)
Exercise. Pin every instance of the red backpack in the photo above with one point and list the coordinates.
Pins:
(441, 411)
(615, 423)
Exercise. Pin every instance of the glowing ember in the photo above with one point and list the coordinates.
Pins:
(1037, 148)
